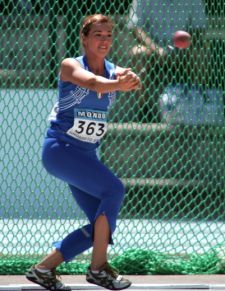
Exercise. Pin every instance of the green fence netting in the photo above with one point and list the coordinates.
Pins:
(165, 141)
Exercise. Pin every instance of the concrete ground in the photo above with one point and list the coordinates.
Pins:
(148, 282)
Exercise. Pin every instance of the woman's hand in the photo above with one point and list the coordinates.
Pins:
(128, 80)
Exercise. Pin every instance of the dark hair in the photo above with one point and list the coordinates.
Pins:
(91, 19)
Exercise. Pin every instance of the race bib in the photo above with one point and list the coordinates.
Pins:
(89, 125)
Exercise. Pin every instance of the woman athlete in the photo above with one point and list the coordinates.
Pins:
(87, 88)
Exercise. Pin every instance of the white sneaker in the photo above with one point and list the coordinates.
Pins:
(47, 280)
(108, 278)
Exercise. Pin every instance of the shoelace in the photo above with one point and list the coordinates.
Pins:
(112, 271)
(55, 278)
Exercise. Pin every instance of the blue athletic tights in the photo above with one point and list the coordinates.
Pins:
(95, 188)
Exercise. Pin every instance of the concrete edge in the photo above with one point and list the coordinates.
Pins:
(20, 287)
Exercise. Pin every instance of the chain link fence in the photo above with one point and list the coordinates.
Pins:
(165, 141)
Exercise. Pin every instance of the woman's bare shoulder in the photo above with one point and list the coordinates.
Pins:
(70, 62)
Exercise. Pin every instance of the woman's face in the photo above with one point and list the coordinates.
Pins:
(99, 39)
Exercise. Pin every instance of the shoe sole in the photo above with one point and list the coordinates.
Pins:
(109, 288)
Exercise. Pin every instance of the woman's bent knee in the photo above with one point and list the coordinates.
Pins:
(117, 190)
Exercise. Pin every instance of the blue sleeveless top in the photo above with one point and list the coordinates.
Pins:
(80, 116)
